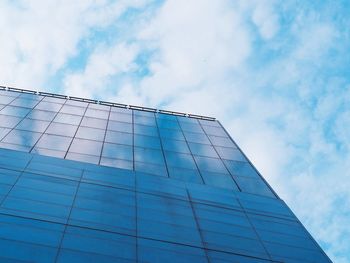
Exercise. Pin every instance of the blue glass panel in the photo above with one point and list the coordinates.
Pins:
(185, 175)
(119, 137)
(3, 132)
(148, 156)
(25, 138)
(61, 129)
(15, 111)
(54, 142)
(196, 137)
(110, 177)
(94, 122)
(254, 186)
(150, 168)
(5, 99)
(9, 121)
(83, 157)
(67, 118)
(54, 100)
(119, 163)
(119, 126)
(86, 147)
(230, 154)
(148, 121)
(175, 146)
(219, 180)
(222, 141)
(241, 169)
(146, 130)
(114, 116)
(171, 134)
(168, 124)
(41, 115)
(73, 110)
(22, 102)
(100, 114)
(160, 252)
(117, 151)
(210, 164)
(33, 125)
(147, 142)
(217, 131)
(203, 150)
(121, 110)
(180, 160)
(210, 123)
(48, 106)
(90, 133)
(75, 103)
(191, 127)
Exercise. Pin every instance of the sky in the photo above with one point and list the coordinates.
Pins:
(275, 73)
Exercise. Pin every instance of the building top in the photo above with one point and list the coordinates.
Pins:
(107, 103)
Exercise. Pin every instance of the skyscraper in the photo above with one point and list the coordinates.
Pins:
(91, 181)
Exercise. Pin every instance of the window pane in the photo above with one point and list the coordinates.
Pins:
(175, 146)
(48, 106)
(101, 114)
(25, 138)
(90, 133)
(148, 156)
(94, 123)
(217, 131)
(83, 157)
(147, 142)
(196, 137)
(119, 137)
(222, 141)
(115, 116)
(86, 147)
(72, 110)
(67, 118)
(149, 121)
(15, 111)
(123, 164)
(9, 121)
(230, 154)
(203, 150)
(146, 130)
(62, 129)
(117, 151)
(120, 126)
(241, 169)
(26, 103)
(210, 164)
(41, 115)
(33, 125)
(180, 160)
(171, 134)
(54, 142)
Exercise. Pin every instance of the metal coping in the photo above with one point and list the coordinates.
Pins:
(106, 103)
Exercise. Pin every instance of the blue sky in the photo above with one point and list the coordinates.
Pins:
(275, 73)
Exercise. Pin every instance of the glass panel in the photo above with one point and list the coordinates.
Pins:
(147, 142)
(115, 116)
(48, 152)
(41, 115)
(180, 160)
(72, 110)
(185, 175)
(241, 169)
(219, 180)
(33, 125)
(222, 141)
(5, 99)
(3, 132)
(168, 124)
(217, 131)
(149, 121)
(25, 138)
(117, 151)
(123, 164)
(9, 121)
(86, 147)
(119, 137)
(119, 126)
(76, 103)
(90, 133)
(210, 164)
(26, 103)
(203, 150)
(254, 186)
(48, 106)
(99, 107)
(146, 130)
(94, 123)
(54, 142)
(62, 129)
(196, 137)
(101, 114)
(121, 110)
(83, 157)
(191, 127)
(67, 119)
(148, 168)
(15, 111)
(171, 134)
(175, 146)
(54, 100)
(230, 154)
(148, 156)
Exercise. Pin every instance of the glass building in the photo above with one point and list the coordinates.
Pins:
(92, 181)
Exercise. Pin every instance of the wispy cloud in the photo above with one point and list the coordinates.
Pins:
(276, 73)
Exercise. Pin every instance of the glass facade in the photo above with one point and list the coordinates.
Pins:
(86, 182)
